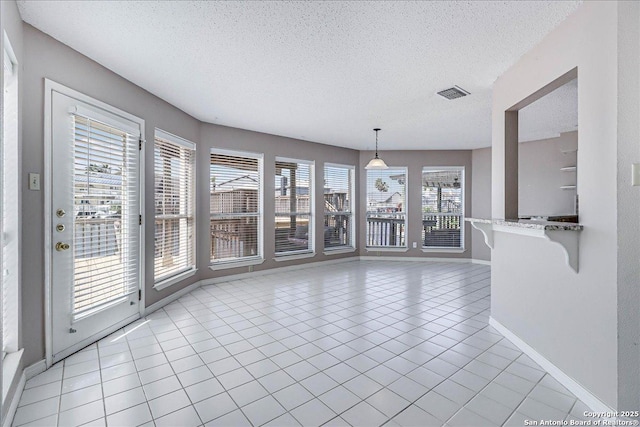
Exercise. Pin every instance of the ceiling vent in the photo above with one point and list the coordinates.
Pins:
(453, 93)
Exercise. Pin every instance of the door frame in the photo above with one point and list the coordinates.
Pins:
(50, 87)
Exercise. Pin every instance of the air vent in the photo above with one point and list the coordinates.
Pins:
(453, 93)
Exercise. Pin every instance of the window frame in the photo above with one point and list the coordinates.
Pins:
(351, 245)
(451, 249)
(311, 249)
(187, 271)
(405, 212)
(259, 215)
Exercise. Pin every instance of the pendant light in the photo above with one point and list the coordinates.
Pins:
(376, 162)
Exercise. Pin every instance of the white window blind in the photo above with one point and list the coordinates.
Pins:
(293, 206)
(442, 207)
(235, 206)
(174, 189)
(386, 207)
(106, 211)
(338, 206)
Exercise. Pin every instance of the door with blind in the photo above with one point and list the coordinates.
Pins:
(94, 222)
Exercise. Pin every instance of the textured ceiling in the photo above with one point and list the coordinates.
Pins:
(326, 72)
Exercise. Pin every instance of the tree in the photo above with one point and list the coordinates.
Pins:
(382, 186)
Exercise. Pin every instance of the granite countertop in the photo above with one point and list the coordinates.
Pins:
(529, 224)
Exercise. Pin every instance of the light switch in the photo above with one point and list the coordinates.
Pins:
(34, 181)
(635, 174)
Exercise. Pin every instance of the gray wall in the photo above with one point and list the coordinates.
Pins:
(480, 200)
(573, 319)
(271, 146)
(45, 57)
(415, 161)
(540, 177)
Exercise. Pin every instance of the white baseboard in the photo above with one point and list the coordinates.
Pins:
(589, 399)
(223, 279)
(423, 259)
(15, 399)
(35, 369)
(174, 296)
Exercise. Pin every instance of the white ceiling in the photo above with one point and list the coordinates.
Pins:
(321, 71)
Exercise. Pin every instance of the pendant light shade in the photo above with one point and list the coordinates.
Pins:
(376, 162)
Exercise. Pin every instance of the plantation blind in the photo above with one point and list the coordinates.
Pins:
(293, 206)
(338, 210)
(386, 207)
(174, 189)
(442, 207)
(235, 206)
(106, 213)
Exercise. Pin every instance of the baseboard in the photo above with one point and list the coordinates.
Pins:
(174, 296)
(593, 402)
(223, 279)
(35, 369)
(15, 399)
(423, 259)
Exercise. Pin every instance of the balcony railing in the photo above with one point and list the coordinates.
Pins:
(441, 230)
(385, 229)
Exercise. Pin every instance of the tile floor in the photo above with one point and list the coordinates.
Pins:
(359, 343)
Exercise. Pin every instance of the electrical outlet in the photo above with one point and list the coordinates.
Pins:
(34, 181)
(415, 245)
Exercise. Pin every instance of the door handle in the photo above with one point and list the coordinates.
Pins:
(62, 246)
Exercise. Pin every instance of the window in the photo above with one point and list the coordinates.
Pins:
(442, 207)
(386, 208)
(174, 191)
(338, 206)
(294, 206)
(10, 203)
(235, 206)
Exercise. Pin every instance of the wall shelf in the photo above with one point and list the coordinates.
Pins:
(563, 233)
(569, 169)
(568, 187)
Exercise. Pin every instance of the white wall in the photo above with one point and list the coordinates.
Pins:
(572, 319)
(540, 177)
(480, 200)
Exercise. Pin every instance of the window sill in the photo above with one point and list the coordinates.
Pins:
(223, 265)
(10, 366)
(443, 250)
(291, 257)
(336, 251)
(385, 249)
(165, 283)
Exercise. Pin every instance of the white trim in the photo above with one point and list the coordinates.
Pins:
(424, 259)
(15, 399)
(427, 249)
(108, 111)
(10, 365)
(159, 133)
(294, 267)
(169, 281)
(593, 402)
(290, 257)
(106, 117)
(339, 250)
(237, 153)
(223, 265)
(292, 160)
(93, 338)
(169, 299)
(35, 369)
(386, 249)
